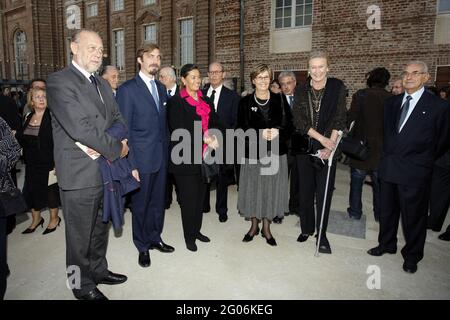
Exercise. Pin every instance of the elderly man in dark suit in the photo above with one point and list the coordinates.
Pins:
(226, 106)
(83, 108)
(416, 132)
(142, 101)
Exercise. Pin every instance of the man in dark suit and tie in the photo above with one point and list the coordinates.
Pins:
(111, 74)
(142, 102)
(416, 133)
(226, 104)
(83, 108)
(288, 82)
(168, 78)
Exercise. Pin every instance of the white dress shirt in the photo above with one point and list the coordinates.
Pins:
(412, 103)
(216, 94)
(147, 80)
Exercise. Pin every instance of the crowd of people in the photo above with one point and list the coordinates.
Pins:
(68, 120)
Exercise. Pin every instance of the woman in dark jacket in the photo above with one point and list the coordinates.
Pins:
(263, 182)
(367, 112)
(320, 112)
(37, 142)
(186, 111)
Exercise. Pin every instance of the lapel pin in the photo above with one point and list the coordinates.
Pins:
(423, 112)
(254, 109)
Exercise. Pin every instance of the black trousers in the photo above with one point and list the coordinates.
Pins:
(170, 184)
(3, 267)
(191, 192)
(86, 238)
(222, 183)
(293, 184)
(439, 197)
(312, 189)
(411, 204)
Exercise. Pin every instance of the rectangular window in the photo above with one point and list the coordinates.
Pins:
(148, 2)
(92, 10)
(150, 33)
(293, 13)
(186, 41)
(117, 5)
(119, 49)
(444, 6)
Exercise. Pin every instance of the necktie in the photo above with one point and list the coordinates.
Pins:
(212, 97)
(154, 93)
(94, 82)
(404, 112)
(169, 92)
(291, 101)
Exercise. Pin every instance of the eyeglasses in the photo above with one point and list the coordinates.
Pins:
(215, 72)
(413, 74)
(259, 78)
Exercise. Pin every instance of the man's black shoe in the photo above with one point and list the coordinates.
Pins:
(113, 278)
(144, 259)
(94, 294)
(409, 267)
(378, 251)
(445, 236)
(223, 217)
(161, 246)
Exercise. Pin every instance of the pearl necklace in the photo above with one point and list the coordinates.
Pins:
(261, 104)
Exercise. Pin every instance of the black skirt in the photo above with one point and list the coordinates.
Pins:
(38, 194)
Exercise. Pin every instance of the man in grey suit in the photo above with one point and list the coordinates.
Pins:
(83, 107)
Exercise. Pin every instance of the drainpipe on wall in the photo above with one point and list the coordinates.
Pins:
(241, 45)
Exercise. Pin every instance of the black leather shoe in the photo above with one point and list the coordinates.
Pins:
(94, 294)
(378, 251)
(162, 247)
(223, 217)
(302, 237)
(113, 278)
(409, 267)
(271, 241)
(191, 246)
(325, 246)
(445, 236)
(202, 238)
(50, 230)
(248, 237)
(144, 259)
(277, 220)
(31, 230)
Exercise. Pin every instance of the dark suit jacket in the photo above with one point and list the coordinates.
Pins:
(227, 108)
(78, 114)
(147, 127)
(181, 115)
(408, 157)
(251, 117)
(45, 142)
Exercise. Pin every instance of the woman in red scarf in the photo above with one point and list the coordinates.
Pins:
(189, 110)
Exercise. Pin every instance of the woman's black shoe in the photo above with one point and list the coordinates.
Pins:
(31, 230)
(50, 230)
(271, 241)
(302, 237)
(248, 237)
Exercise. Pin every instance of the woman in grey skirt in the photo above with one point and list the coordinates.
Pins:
(266, 121)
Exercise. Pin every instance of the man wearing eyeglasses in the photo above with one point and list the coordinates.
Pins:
(416, 133)
(226, 105)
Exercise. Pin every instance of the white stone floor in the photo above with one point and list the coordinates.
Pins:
(228, 269)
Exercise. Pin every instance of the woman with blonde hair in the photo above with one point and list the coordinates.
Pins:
(37, 143)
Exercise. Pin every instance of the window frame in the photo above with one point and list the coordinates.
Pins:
(148, 4)
(442, 12)
(186, 36)
(20, 56)
(113, 2)
(114, 50)
(293, 15)
(145, 33)
(88, 5)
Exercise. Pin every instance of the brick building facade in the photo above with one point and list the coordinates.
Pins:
(358, 34)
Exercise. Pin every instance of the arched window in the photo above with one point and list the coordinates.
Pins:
(20, 52)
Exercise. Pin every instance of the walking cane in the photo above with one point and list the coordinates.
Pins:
(330, 162)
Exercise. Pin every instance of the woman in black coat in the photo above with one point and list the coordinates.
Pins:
(186, 111)
(263, 186)
(37, 142)
(319, 111)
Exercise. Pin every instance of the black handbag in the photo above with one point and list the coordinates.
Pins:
(210, 169)
(12, 202)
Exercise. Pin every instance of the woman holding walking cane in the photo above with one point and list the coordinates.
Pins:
(319, 111)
